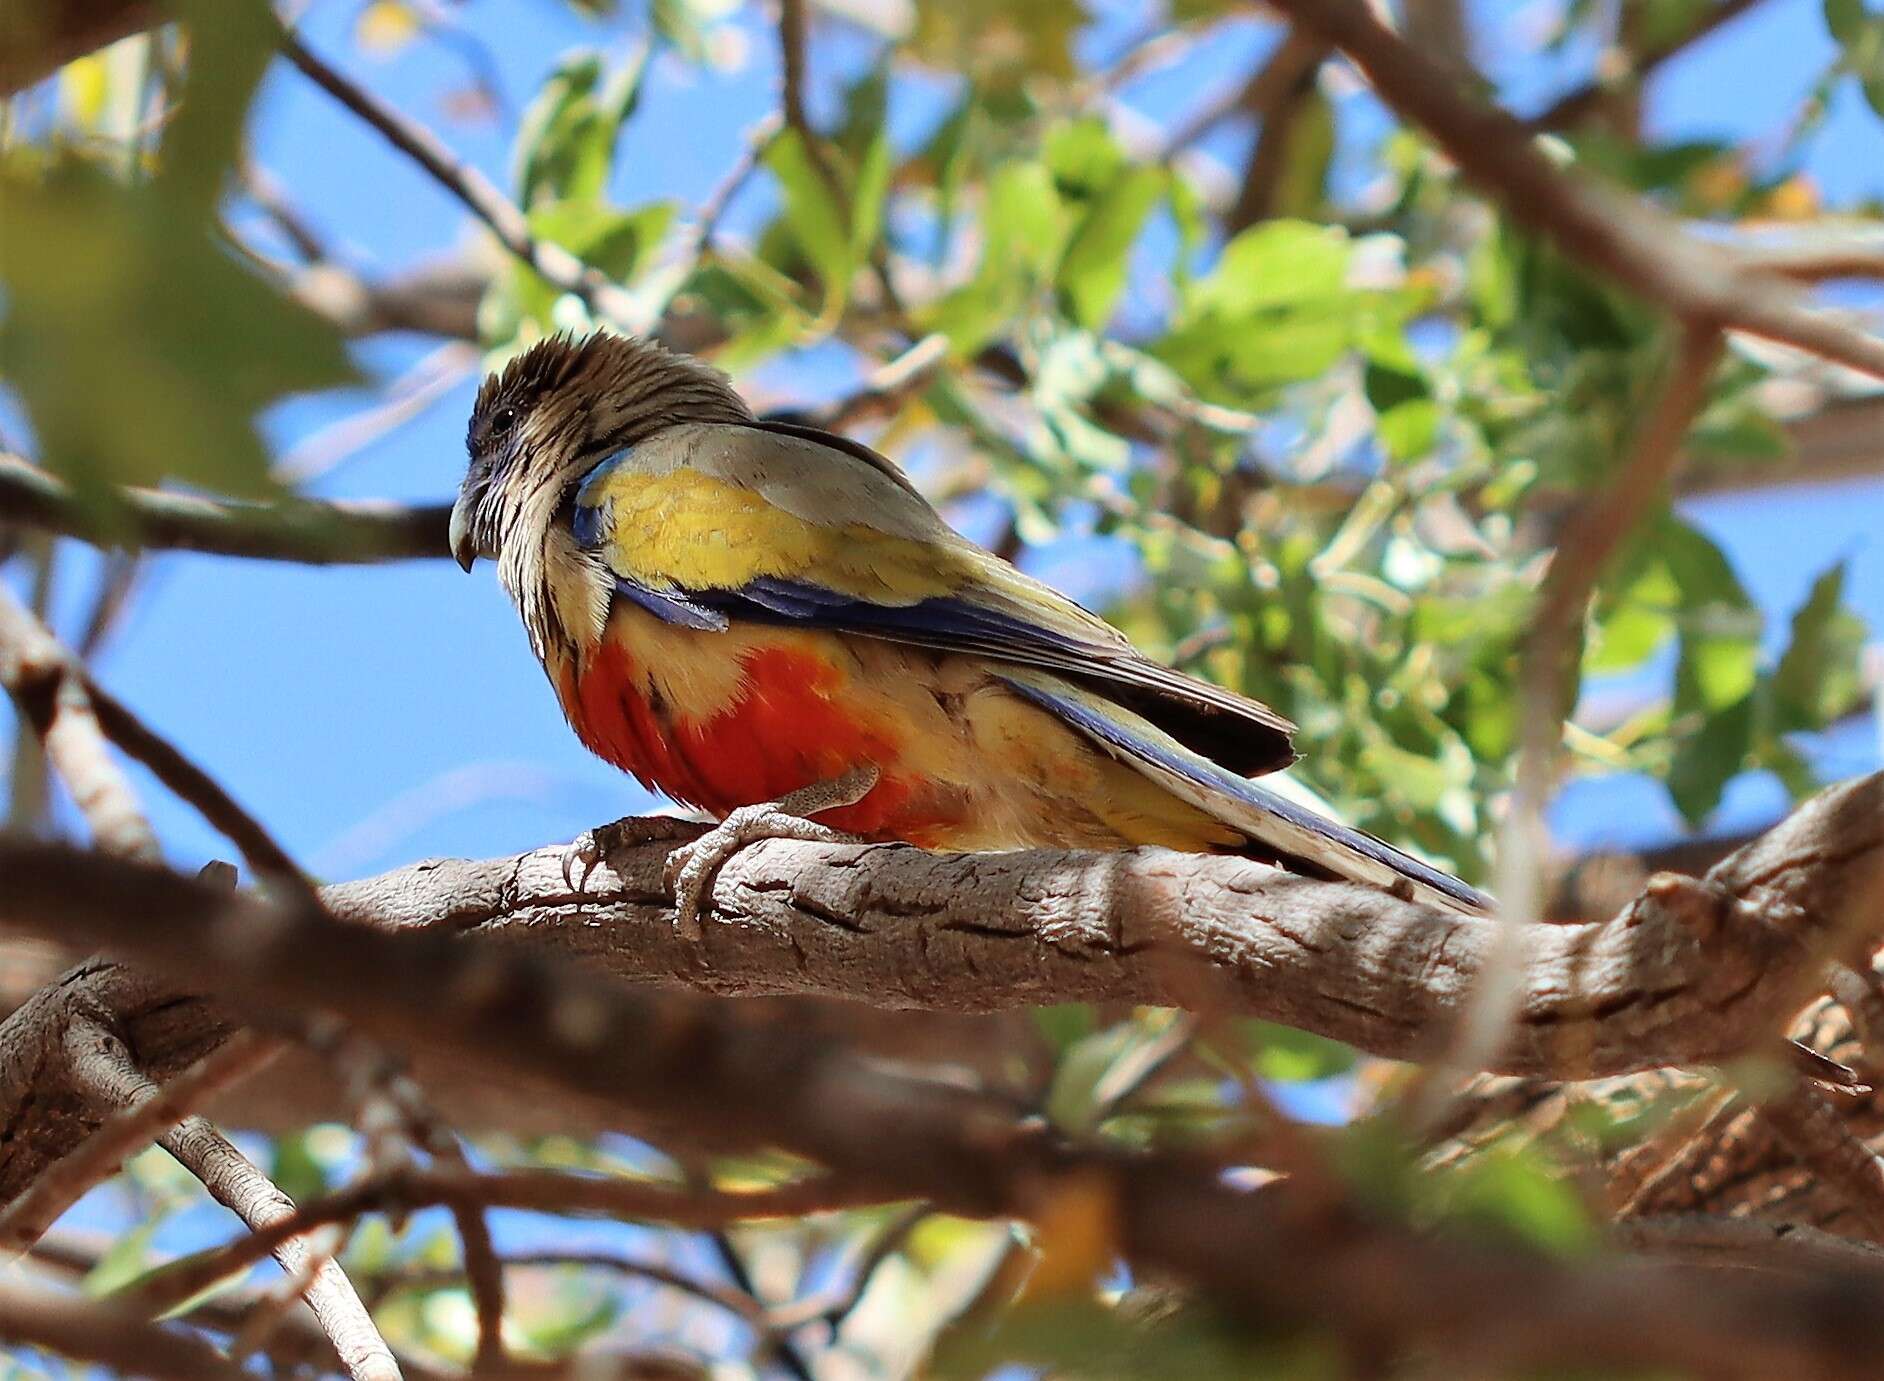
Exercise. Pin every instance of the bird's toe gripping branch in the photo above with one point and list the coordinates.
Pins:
(692, 867)
(592, 848)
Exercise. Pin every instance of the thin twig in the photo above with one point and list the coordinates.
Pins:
(1583, 550)
(1746, 1244)
(75, 716)
(48, 688)
(781, 1347)
(126, 1131)
(742, 1306)
(103, 1070)
(539, 1191)
(407, 397)
(837, 1305)
(302, 530)
(477, 192)
(107, 1335)
(203, 792)
(753, 145)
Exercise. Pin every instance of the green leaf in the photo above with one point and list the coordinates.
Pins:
(123, 1262)
(116, 286)
(1818, 677)
(1517, 1194)
(1065, 1023)
(1408, 430)
(1070, 1103)
(1706, 761)
(1845, 19)
(1084, 159)
(230, 47)
(1093, 270)
(1276, 264)
(1003, 43)
(566, 139)
(1633, 625)
(1307, 154)
(813, 218)
(867, 196)
(295, 1169)
(1288, 1056)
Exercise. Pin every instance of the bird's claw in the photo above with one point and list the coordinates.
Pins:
(592, 848)
(692, 868)
(582, 853)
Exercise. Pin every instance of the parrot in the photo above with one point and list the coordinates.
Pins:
(769, 622)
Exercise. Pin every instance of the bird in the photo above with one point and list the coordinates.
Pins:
(769, 622)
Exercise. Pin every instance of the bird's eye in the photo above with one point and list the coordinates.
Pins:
(503, 420)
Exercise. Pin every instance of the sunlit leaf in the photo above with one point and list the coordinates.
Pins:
(1092, 272)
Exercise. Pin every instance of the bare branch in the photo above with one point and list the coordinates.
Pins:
(107, 1335)
(103, 1070)
(75, 715)
(48, 688)
(1582, 552)
(541, 1191)
(477, 192)
(1276, 95)
(1626, 238)
(303, 530)
(1575, 105)
(37, 40)
(132, 1128)
(1822, 1142)
(679, 1061)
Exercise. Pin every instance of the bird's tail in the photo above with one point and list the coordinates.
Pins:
(1292, 834)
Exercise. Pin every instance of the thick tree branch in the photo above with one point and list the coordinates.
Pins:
(139, 1123)
(644, 1054)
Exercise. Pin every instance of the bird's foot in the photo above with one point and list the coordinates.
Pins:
(692, 867)
(590, 849)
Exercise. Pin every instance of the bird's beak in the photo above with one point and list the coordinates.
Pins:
(464, 545)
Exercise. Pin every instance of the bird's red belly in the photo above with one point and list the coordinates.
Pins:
(790, 725)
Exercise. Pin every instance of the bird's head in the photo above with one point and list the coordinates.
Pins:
(559, 409)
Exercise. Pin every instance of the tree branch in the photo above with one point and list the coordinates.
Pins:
(38, 39)
(1573, 106)
(303, 530)
(103, 1071)
(1625, 238)
(477, 192)
(107, 1335)
(681, 1061)
(141, 1122)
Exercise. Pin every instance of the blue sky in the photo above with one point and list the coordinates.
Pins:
(380, 714)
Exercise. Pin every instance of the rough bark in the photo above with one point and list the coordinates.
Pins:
(1689, 973)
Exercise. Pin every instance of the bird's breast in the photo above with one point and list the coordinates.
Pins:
(720, 720)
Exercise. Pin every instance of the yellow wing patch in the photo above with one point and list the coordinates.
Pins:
(692, 531)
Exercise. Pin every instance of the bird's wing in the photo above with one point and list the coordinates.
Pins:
(1288, 831)
(704, 525)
